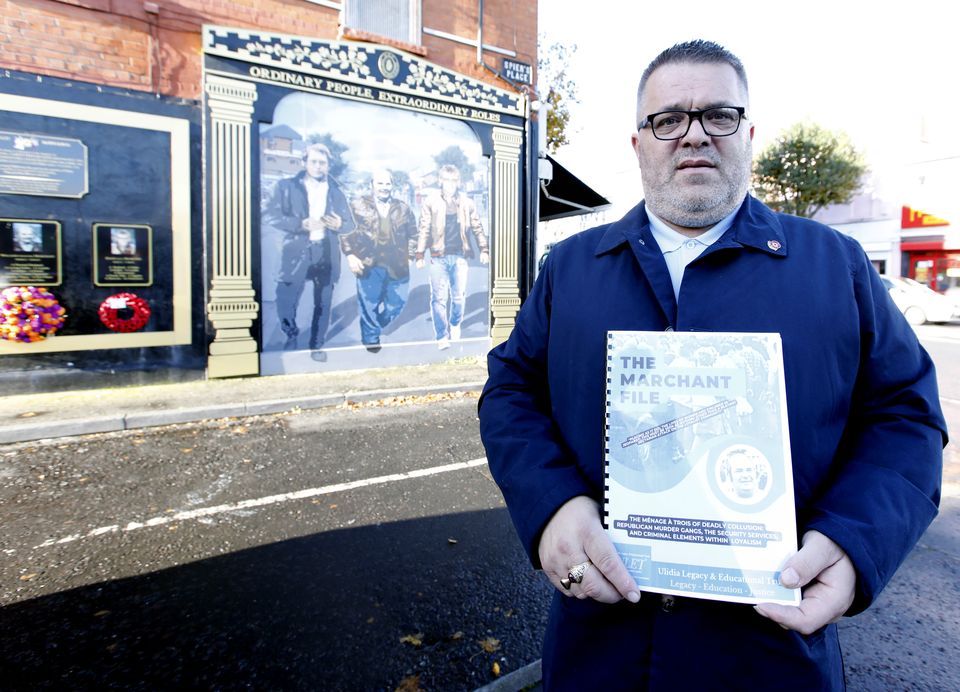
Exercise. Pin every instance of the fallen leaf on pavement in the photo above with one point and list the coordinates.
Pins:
(496, 669)
(411, 683)
(28, 577)
(456, 635)
(490, 644)
(413, 639)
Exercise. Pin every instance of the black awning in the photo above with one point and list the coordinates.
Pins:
(567, 195)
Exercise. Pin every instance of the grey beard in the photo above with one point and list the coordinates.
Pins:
(700, 211)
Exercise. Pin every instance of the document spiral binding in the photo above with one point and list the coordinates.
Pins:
(606, 434)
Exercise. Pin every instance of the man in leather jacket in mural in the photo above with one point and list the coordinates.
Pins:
(378, 253)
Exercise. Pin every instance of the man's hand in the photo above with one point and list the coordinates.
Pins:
(313, 225)
(484, 258)
(575, 535)
(332, 221)
(356, 264)
(419, 264)
(827, 575)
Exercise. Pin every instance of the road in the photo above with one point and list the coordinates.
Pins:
(908, 639)
(360, 548)
(336, 549)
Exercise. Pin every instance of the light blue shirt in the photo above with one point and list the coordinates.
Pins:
(680, 250)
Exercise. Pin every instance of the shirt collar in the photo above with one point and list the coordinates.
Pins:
(756, 226)
(670, 240)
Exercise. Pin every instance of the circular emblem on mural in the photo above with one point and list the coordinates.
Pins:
(389, 65)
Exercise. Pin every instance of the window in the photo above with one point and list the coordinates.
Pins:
(396, 19)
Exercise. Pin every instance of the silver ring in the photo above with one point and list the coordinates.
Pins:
(576, 572)
(566, 583)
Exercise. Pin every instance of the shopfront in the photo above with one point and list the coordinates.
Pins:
(930, 248)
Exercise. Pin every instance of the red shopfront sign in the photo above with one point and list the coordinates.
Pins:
(913, 218)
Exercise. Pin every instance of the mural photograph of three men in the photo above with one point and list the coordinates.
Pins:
(374, 232)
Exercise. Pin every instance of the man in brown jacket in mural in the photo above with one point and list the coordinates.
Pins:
(444, 222)
(379, 253)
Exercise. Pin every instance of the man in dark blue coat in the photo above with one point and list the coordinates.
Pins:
(700, 254)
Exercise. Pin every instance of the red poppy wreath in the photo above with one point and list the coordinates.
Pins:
(124, 312)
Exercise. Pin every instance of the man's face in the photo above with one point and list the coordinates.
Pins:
(744, 474)
(382, 186)
(449, 185)
(317, 165)
(24, 235)
(695, 181)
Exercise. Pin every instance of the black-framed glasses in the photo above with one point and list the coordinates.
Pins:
(716, 122)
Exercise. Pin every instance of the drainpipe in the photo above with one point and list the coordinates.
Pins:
(480, 37)
(480, 61)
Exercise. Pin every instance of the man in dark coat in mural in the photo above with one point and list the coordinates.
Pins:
(310, 209)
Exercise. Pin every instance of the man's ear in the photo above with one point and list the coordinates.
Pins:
(635, 143)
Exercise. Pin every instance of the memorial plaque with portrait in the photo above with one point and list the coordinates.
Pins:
(699, 496)
(122, 254)
(30, 252)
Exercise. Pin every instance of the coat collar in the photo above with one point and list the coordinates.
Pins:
(755, 226)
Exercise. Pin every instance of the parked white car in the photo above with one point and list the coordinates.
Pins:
(919, 303)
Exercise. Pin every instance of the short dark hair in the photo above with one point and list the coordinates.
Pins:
(698, 51)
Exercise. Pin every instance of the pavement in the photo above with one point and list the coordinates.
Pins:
(27, 417)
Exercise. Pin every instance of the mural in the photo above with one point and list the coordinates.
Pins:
(374, 235)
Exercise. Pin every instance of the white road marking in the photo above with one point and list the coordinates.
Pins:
(196, 514)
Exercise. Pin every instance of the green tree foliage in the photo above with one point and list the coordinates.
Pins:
(806, 169)
(561, 92)
(454, 156)
(337, 149)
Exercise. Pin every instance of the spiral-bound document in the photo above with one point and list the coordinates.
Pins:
(699, 482)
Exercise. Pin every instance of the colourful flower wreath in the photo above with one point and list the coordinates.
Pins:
(110, 312)
(29, 313)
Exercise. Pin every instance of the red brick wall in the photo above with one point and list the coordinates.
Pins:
(508, 24)
(119, 43)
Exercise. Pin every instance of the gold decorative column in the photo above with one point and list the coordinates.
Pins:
(505, 301)
(232, 308)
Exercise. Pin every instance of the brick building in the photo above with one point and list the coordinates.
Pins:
(173, 125)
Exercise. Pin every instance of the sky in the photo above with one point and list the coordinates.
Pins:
(378, 136)
(872, 70)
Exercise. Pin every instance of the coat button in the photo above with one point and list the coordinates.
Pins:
(667, 603)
